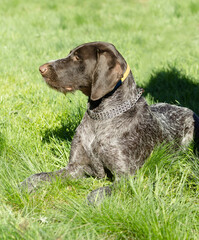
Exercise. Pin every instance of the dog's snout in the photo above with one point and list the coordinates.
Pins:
(44, 68)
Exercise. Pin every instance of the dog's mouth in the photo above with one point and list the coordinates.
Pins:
(60, 84)
(69, 89)
(50, 77)
(66, 89)
(53, 83)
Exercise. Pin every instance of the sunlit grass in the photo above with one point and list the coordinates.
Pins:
(159, 40)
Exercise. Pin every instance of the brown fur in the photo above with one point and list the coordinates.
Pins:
(120, 145)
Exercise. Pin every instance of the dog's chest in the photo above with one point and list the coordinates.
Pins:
(99, 139)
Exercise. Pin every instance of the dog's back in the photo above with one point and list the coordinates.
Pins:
(181, 122)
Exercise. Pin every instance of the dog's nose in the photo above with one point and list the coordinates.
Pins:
(43, 69)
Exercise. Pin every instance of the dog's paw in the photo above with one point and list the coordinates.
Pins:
(33, 182)
(97, 196)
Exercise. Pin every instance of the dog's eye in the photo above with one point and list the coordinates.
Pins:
(76, 57)
(111, 67)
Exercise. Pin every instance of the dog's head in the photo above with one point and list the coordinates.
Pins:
(94, 68)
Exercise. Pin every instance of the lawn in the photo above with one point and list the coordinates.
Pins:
(160, 41)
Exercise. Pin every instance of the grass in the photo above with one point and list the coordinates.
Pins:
(160, 40)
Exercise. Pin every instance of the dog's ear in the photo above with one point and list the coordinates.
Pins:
(107, 73)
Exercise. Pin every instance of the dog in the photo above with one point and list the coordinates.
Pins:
(119, 129)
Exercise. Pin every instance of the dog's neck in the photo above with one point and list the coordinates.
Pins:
(126, 91)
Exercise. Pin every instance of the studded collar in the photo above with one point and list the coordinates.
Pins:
(117, 110)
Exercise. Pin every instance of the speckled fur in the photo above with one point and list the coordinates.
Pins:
(122, 144)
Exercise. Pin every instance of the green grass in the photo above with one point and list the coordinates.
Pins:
(160, 41)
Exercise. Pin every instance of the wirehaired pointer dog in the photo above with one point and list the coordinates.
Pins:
(119, 129)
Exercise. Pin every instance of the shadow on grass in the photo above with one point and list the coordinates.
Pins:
(173, 87)
(64, 132)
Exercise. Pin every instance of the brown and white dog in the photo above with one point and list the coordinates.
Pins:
(119, 129)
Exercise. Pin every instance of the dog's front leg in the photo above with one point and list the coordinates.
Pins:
(35, 180)
(77, 167)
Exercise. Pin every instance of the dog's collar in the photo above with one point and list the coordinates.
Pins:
(125, 75)
(116, 111)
